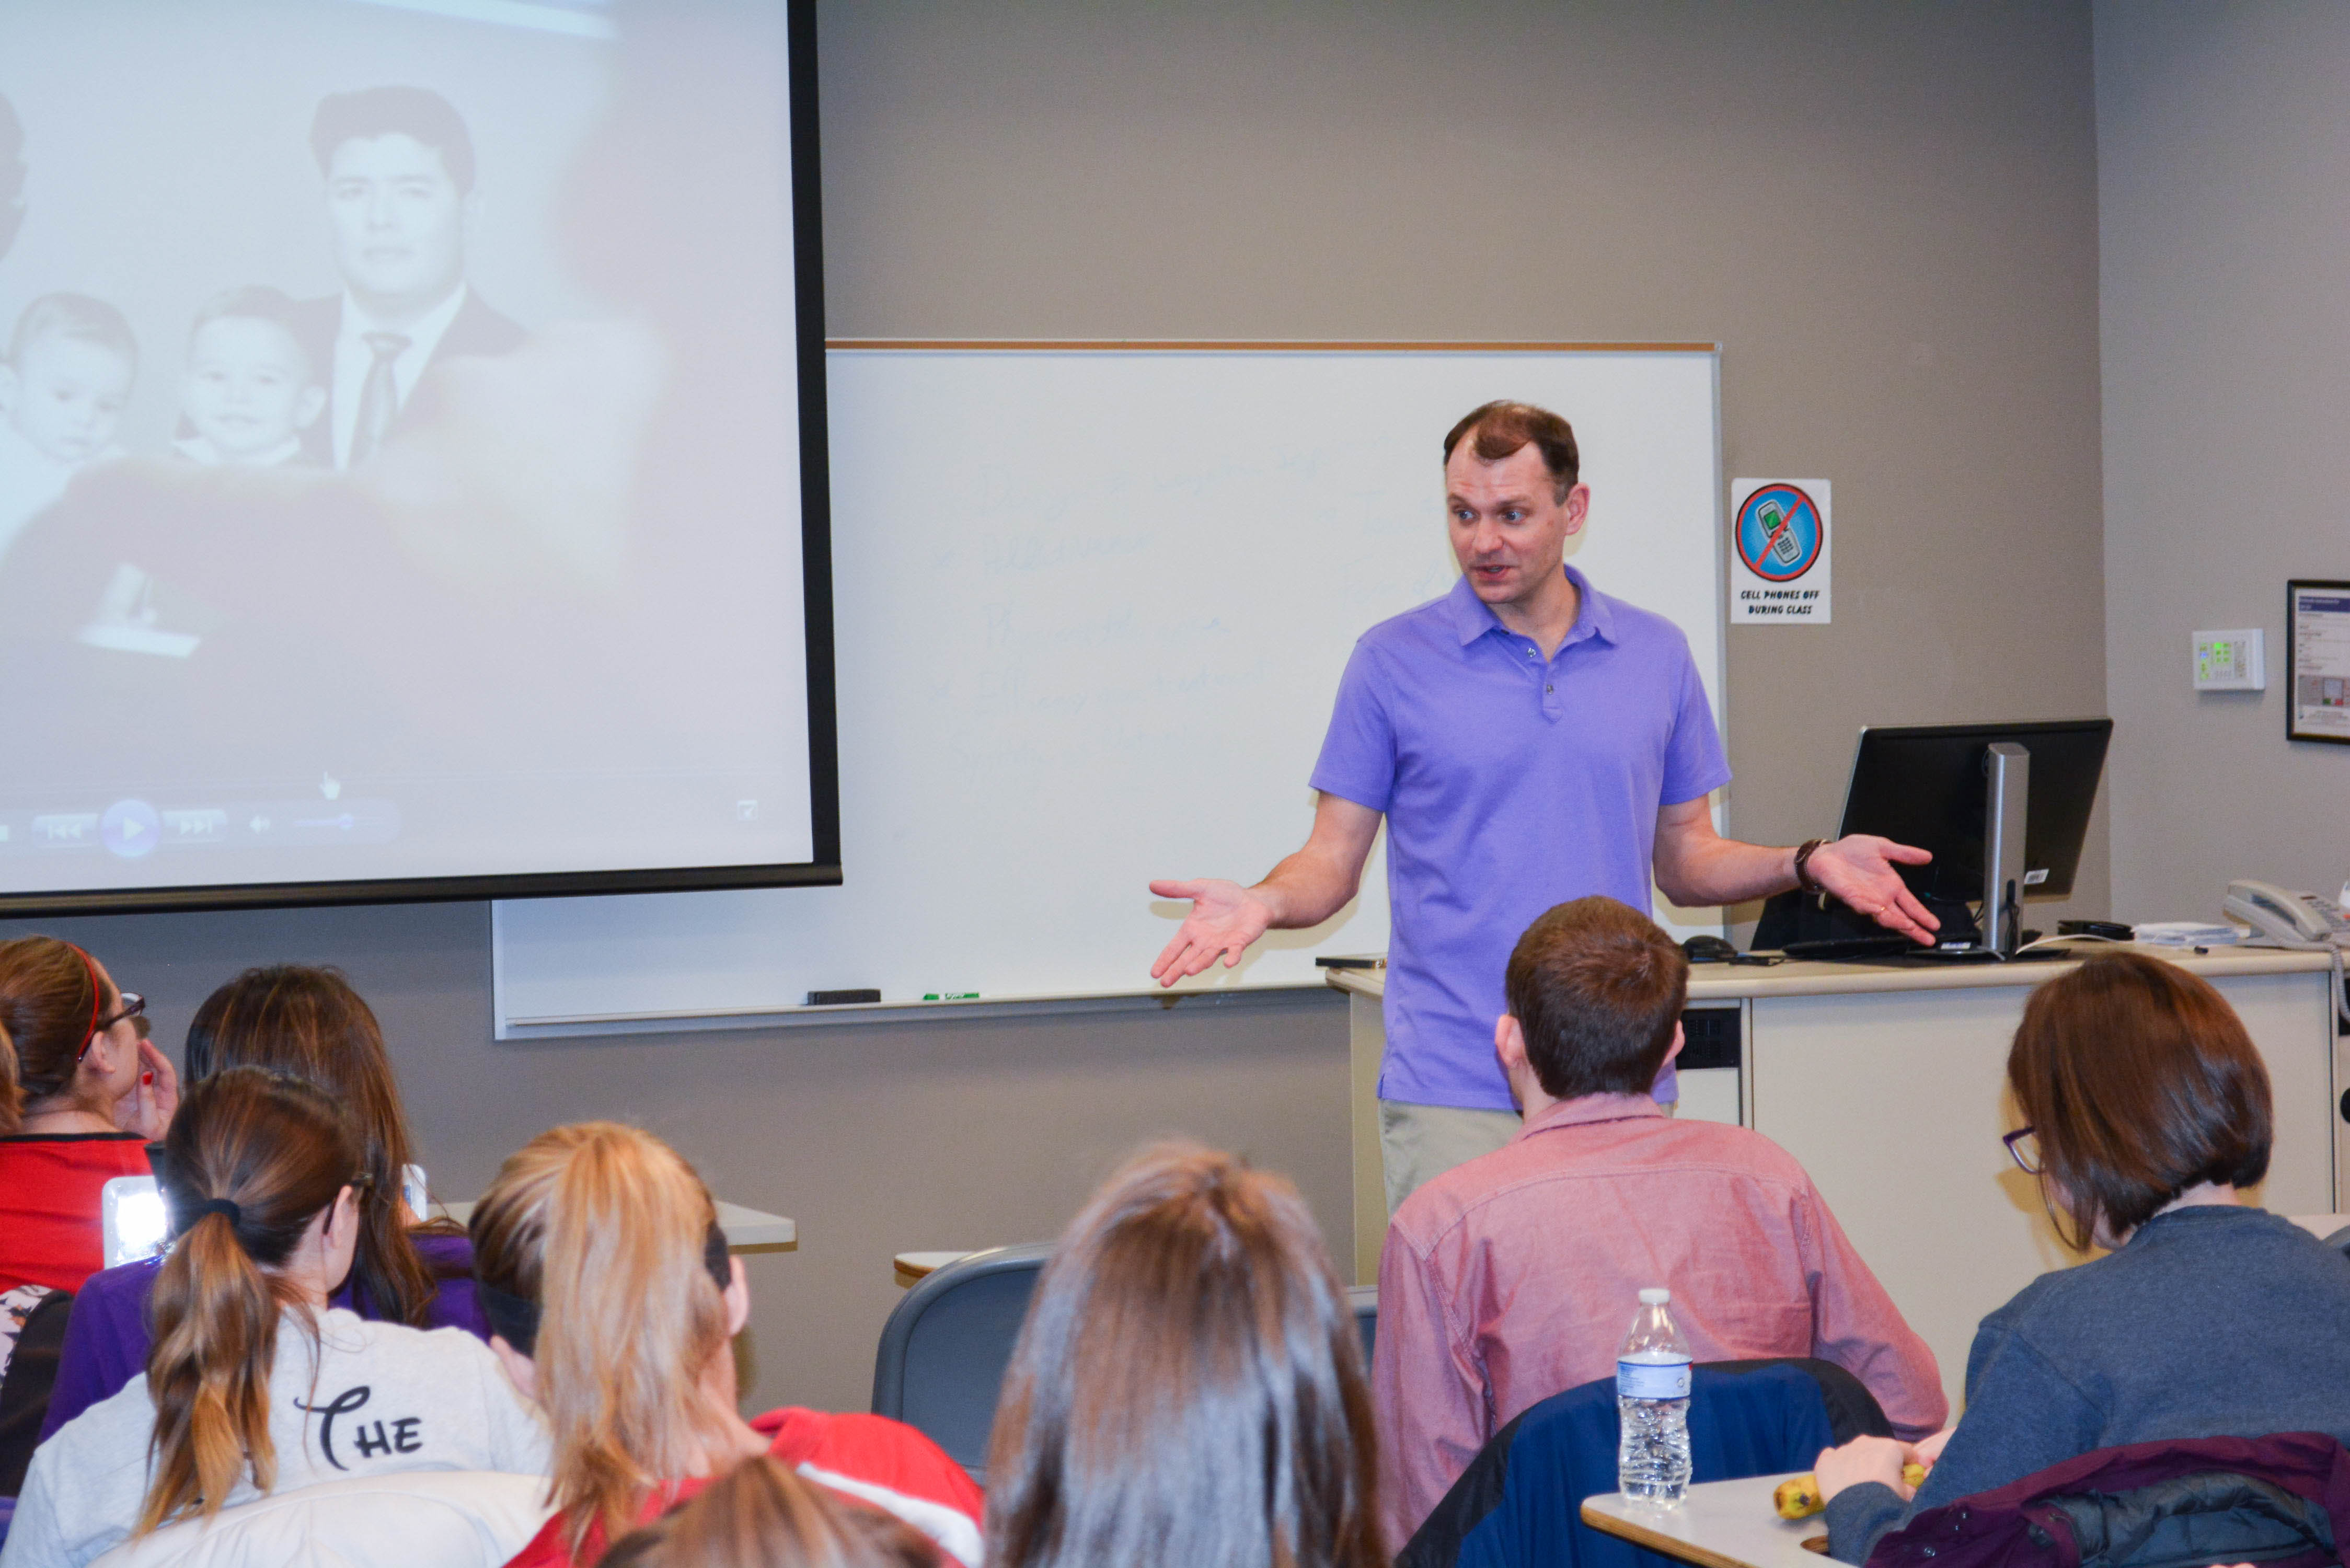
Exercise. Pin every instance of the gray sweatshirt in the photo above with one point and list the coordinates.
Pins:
(2209, 1322)
(366, 1399)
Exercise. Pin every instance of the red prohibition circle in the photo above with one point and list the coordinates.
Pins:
(1803, 500)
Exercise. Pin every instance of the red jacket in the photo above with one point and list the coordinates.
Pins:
(50, 1185)
(868, 1459)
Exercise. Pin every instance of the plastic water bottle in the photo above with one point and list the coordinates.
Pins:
(1652, 1396)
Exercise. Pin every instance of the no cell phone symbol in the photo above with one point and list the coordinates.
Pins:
(1779, 532)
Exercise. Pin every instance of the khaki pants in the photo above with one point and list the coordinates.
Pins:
(1419, 1143)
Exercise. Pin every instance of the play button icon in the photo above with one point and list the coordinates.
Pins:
(130, 828)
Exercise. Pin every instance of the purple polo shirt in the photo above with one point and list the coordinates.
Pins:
(1510, 784)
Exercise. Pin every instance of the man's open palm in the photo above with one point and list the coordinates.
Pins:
(1225, 918)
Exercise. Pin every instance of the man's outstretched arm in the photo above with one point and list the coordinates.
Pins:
(1305, 890)
(1697, 867)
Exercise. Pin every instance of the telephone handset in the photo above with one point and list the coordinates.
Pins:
(2285, 919)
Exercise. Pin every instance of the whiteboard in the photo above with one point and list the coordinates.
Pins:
(1091, 606)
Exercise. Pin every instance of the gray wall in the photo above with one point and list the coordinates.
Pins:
(1886, 214)
(2224, 190)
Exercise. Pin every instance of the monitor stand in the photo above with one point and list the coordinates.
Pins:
(2007, 792)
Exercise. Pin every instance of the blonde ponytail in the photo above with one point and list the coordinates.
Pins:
(215, 1342)
(599, 1238)
(252, 1157)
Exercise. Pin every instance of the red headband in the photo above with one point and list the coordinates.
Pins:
(96, 999)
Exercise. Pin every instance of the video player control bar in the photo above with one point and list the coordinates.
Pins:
(132, 829)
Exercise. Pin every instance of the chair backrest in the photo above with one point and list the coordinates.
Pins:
(1364, 1300)
(452, 1518)
(944, 1350)
(1520, 1501)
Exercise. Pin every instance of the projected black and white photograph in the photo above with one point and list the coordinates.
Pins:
(400, 442)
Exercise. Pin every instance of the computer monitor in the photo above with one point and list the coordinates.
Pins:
(1952, 789)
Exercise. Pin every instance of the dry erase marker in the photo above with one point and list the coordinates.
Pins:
(950, 996)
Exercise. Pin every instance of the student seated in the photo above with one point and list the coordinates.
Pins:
(2146, 1112)
(614, 1303)
(761, 1515)
(1514, 1277)
(1187, 1390)
(255, 1384)
(80, 1097)
(308, 1022)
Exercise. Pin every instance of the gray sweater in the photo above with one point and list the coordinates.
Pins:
(2209, 1322)
(362, 1400)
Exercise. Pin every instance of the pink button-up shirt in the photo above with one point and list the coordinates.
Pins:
(1515, 1277)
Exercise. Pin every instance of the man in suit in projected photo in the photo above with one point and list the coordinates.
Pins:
(1530, 739)
(398, 166)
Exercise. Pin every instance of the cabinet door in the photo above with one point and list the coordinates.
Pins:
(1895, 1102)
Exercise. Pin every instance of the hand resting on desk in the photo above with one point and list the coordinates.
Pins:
(1876, 1460)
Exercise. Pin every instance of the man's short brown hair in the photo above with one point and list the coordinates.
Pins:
(1598, 990)
(1502, 427)
(2141, 1083)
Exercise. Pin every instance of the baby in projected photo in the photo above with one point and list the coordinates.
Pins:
(70, 364)
(250, 389)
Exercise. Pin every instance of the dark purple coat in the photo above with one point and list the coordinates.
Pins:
(2017, 1525)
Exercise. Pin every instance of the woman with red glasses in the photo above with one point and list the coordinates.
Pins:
(82, 1091)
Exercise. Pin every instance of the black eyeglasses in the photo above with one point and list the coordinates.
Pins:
(2024, 1143)
(132, 1005)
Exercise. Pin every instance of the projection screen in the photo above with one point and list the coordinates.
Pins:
(411, 451)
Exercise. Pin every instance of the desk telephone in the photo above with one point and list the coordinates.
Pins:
(2286, 919)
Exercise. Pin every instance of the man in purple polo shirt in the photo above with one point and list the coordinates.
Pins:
(1530, 739)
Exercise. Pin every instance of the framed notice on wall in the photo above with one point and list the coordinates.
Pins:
(2317, 633)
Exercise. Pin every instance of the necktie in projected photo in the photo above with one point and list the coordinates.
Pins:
(380, 398)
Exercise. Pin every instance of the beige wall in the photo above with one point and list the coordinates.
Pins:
(2224, 192)
(1885, 214)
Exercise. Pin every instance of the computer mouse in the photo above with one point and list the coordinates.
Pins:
(1708, 950)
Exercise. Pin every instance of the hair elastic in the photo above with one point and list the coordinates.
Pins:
(515, 1320)
(214, 1206)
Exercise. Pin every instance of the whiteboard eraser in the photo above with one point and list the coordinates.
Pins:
(841, 998)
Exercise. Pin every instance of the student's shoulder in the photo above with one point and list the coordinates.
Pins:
(110, 1435)
(341, 1329)
(547, 1549)
(1722, 1149)
(2060, 1300)
(797, 1435)
(856, 1442)
(109, 1289)
(884, 1462)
